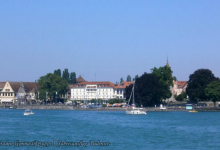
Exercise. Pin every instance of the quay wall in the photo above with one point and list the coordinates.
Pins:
(69, 107)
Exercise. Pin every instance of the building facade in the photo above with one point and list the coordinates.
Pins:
(98, 90)
(11, 92)
(179, 87)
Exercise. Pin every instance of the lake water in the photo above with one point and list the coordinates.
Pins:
(156, 130)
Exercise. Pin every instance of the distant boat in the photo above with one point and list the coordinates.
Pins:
(193, 111)
(134, 110)
(28, 112)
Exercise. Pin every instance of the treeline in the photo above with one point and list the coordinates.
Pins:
(53, 85)
(152, 88)
(203, 86)
(129, 78)
(69, 77)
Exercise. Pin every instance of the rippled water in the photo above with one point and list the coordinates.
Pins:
(156, 130)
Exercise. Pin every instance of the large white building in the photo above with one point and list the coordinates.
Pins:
(98, 90)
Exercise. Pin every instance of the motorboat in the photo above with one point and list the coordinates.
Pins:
(28, 112)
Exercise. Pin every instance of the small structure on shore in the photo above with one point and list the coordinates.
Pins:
(189, 106)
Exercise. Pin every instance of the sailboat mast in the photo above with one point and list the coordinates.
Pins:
(133, 94)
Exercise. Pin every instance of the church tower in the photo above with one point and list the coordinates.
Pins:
(167, 63)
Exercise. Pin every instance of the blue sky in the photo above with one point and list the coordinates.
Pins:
(106, 40)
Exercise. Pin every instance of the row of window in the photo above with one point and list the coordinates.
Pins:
(6, 94)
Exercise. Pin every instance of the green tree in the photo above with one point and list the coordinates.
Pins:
(212, 91)
(121, 80)
(65, 75)
(197, 83)
(128, 78)
(72, 78)
(164, 74)
(148, 90)
(181, 96)
(135, 78)
(52, 83)
(57, 72)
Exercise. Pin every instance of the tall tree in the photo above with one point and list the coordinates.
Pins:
(65, 75)
(148, 90)
(72, 78)
(212, 91)
(135, 78)
(164, 74)
(128, 78)
(197, 83)
(121, 80)
(52, 83)
(57, 72)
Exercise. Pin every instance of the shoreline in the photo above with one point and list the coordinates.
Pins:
(148, 109)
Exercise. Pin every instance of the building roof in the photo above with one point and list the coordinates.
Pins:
(181, 84)
(100, 84)
(29, 86)
(80, 79)
(123, 85)
(2, 84)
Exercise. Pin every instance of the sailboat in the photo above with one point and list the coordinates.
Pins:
(134, 110)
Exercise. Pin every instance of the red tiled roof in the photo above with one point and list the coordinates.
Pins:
(80, 79)
(124, 84)
(181, 84)
(101, 83)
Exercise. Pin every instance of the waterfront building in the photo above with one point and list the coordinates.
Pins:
(11, 92)
(104, 90)
(179, 87)
(119, 90)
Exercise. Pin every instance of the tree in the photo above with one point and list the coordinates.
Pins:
(52, 83)
(128, 78)
(148, 90)
(72, 78)
(197, 83)
(135, 78)
(65, 75)
(121, 80)
(181, 96)
(57, 72)
(212, 91)
(164, 74)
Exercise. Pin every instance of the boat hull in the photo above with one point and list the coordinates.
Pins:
(26, 114)
(135, 112)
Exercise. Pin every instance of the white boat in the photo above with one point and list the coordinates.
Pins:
(134, 110)
(28, 112)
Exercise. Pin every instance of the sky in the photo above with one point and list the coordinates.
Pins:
(105, 40)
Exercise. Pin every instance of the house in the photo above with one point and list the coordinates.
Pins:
(10, 92)
(179, 86)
